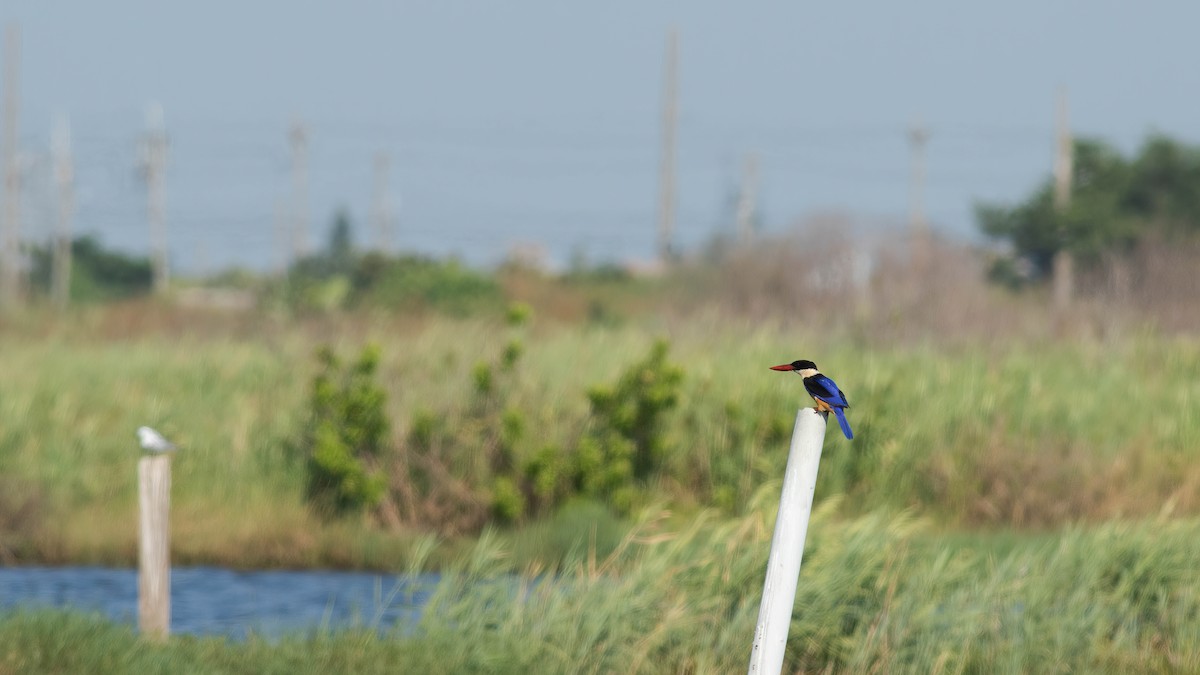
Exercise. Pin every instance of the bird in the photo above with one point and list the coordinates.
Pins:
(825, 392)
(153, 441)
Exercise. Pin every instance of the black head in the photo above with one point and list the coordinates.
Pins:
(796, 366)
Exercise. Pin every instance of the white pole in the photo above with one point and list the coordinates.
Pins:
(154, 546)
(787, 545)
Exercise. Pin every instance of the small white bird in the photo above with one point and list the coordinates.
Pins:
(153, 441)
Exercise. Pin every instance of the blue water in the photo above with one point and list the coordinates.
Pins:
(217, 601)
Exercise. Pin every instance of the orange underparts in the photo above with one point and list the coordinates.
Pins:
(822, 406)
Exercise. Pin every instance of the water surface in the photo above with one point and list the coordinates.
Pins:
(218, 601)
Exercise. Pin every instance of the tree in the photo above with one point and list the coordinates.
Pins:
(1165, 185)
(98, 273)
(1114, 203)
(341, 238)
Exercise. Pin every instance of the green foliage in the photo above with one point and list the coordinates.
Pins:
(419, 282)
(626, 441)
(518, 314)
(469, 461)
(1114, 203)
(512, 352)
(1001, 437)
(323, 281)
(337, 259)
(546, 473)
(97, 274)
(338, 277)
(880, 594)
(485, 453)
(481, 376)
(508, 504)
(347, 429)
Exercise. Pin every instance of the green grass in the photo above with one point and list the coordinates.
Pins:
(877, 593)
(1015, 437)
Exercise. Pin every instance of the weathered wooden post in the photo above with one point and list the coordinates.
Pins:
(154, 546)
(787, 544)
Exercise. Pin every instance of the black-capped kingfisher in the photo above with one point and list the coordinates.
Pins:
(823, 390)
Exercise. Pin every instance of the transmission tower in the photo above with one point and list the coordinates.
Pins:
(747, 203)
(670, 122)
(10, 277)
(64, 180)
(1064, 168)
(298, 136)
(381, 208)
(154, 163)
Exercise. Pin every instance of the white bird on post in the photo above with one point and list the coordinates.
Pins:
(153, 441)
(154, 536)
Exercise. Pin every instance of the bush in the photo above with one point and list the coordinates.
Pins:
(347, 429)
(97, 273)
(626, 442)
(415, 281)
(458, 468)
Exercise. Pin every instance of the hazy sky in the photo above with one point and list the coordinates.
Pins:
(539, 121)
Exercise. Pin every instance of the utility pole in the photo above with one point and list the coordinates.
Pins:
(299, 140)
(154, 162)
(670, 122)
(64, 179)
(1064, 169)
(747, 206)
(10, 277)
(381, 209)
(282, 241)
(918, 136)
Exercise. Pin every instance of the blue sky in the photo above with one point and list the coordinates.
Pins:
(539, 121)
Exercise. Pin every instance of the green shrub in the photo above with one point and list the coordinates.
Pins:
(414, 281)
(465, 465)
(626, 441)
(508, 504)
(97, 273)
(347, 429)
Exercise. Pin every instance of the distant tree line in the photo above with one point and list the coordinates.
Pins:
(97, 273)
(339, 276)
(1116, 204)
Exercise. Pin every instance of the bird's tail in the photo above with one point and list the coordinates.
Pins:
(841, 415)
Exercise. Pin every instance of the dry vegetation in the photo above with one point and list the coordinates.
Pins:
(882, 290)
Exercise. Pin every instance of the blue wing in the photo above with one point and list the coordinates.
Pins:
(819, 386)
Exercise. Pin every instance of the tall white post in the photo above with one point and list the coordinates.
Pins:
(787, 545)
